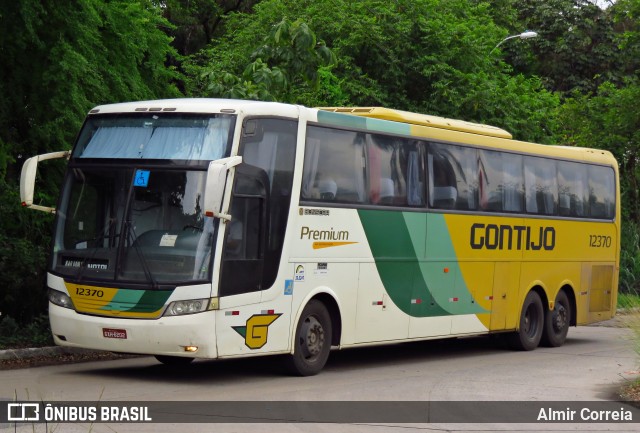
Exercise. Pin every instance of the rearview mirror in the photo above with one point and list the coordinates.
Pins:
(28, 179)
(216, 181)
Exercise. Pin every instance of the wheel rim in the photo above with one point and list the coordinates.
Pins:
(559, 318)
(530, 321)
(311, 338)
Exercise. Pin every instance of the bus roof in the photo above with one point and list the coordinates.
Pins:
(199, 105)
(422, 119)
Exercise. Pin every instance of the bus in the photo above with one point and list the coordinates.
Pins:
(214, 228)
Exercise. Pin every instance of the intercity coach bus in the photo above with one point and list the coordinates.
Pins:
(211, 228)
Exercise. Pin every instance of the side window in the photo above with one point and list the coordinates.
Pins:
(443, 191)
(601, 192)
(396, 171)
(500, 181)
(573, 189)
(334, 166)
(453, 177)
(243, 232)
(243, 252)
(260, 205)
(541, 185)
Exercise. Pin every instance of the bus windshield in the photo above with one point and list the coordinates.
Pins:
(139, 220)
(155, 136)
(134, 225)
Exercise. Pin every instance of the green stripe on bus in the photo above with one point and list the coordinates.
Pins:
(416, 284)
(359, 122)
(138, 301)
(337, 119)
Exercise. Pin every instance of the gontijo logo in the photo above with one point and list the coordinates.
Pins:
(256, 332)
(508, 237)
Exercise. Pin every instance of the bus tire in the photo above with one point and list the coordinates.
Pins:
(312, 342)
(556, 322)
(529, 333)
(174, 361)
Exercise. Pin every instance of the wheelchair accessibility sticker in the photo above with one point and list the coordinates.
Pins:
(142, 178)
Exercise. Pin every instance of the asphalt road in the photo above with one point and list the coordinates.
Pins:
(591, 366)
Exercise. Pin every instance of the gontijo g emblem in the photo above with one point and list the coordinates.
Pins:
(257, 330)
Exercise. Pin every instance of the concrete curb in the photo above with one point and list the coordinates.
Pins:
(42, 351)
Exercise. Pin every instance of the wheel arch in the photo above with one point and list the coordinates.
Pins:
(539, 288)
(329, 300)
(334, 312)
(570, 292)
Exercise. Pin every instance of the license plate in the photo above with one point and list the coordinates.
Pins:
(114, 333)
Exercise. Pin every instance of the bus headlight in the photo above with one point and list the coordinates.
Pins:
(59, 298)
(179, 308)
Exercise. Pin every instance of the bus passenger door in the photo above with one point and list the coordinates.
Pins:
(242, 264)
(254, 313)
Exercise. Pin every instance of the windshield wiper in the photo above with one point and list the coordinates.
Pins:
(130, 235)
(101, 236)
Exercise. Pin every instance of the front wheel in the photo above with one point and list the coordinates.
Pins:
(312, 341)
(556, 322)
(528, 335)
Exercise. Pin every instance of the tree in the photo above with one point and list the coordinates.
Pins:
(59, 60)
(577, 47)
(427, 56)
(289, 59)
(197, 22)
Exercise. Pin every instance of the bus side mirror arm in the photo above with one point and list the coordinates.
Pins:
(28, 179)
(217, 175)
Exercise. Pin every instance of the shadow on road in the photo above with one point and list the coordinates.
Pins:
(402, 355)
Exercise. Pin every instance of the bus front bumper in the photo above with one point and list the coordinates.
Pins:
(191, 335)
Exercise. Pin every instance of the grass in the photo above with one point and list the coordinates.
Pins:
(631, 303)
(628, 301)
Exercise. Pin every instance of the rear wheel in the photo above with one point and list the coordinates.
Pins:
(174, 361)
(556, 322)
(531, 324)
(312, 341)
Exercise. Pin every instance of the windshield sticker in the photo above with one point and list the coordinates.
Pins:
(142, 178)
(168, 240)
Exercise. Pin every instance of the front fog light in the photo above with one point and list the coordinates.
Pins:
(179, 308)
(59, 298)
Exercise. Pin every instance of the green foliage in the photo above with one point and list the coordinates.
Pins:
(59, 59)
(577, 46)
(36, 333)
(428, 56)
(609, 120)
(197, 22)
(575, 84)
(288, 59)
(628, 301)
